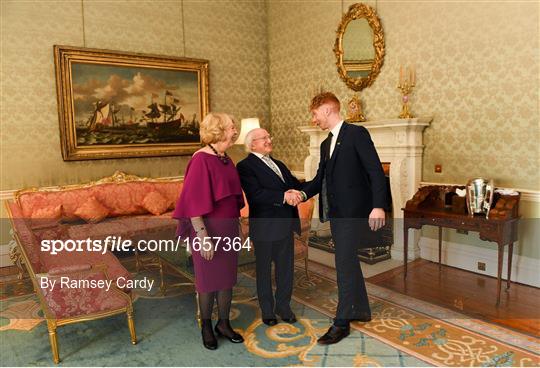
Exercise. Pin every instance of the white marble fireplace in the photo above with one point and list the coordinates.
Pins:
(399, 142)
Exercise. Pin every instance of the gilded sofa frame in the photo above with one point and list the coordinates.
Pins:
(52, 322)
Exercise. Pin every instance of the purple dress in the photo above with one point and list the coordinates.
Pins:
(212, 190)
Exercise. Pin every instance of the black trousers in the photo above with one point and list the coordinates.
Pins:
(352, 294)
(280, 252)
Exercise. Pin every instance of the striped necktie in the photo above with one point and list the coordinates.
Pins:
(271, 164)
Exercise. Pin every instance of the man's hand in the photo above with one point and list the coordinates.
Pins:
(376, 219)
(293, 197)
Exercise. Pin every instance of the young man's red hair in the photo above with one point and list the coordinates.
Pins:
(325, 98)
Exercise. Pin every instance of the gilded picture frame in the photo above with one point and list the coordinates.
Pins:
(114, 104)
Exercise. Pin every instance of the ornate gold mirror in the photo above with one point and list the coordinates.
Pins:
(359, 47)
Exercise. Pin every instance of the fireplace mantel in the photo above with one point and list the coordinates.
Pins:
(398, 142)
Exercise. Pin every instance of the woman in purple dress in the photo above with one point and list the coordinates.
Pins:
(208, 210)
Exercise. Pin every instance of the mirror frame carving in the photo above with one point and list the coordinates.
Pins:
(360, 11)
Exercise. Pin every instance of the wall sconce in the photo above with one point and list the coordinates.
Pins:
(245, 126)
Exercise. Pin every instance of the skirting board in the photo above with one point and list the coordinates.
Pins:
(524, 269)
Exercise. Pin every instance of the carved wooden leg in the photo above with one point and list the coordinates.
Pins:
(131, 325)
(510, 251)
(51, 326)
(500, 254)
(306, 261)
(405, 248)
(17, 259)
(440, 244)
(199, 321)
(137, 261)
(162, 286)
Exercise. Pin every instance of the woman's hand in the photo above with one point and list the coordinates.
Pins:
(207, 254)
(207, 250)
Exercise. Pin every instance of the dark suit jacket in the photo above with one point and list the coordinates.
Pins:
(269, 218)
(355, 178)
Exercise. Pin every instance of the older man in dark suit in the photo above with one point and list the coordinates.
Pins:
(353, 194)
(273, 217)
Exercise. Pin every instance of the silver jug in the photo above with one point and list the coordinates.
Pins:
(479, 196)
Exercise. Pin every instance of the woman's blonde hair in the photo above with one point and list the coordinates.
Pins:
(213, 127)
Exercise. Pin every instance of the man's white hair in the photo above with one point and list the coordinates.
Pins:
(249, 139)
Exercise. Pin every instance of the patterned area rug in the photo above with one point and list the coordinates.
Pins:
(433, 334)
(401, 334)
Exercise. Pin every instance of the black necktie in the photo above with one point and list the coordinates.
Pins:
(324, 189)
(330, 135)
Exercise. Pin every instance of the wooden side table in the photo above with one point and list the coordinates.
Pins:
(435, 205)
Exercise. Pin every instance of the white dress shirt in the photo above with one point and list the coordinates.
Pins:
(335, 132)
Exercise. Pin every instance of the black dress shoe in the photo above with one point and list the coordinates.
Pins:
(362, 318)
(208, 338)
(286, 315)
(291, 319)
(269, 321)
(334, 335)
(228, 332)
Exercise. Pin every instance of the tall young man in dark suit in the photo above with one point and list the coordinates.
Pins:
(353, 193)
(273, 218)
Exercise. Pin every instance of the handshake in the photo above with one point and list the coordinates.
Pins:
(293, 197)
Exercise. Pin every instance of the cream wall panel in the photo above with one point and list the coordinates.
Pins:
(477, 74)
(236, 44)
(28, 118)
(232, 35)
(153, 27)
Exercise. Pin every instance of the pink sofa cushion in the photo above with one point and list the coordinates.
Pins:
(123, 199)
(70, 200)
(50, 213)
(170, 190)
(46, 217)
(92, 211)
(155, 203)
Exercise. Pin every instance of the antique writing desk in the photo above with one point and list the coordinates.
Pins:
(440, 206)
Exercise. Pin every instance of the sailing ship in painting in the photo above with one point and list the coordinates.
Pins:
(161, 123)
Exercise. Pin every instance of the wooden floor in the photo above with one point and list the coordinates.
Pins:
(467, 292)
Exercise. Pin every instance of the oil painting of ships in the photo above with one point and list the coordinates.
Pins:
(163, 122)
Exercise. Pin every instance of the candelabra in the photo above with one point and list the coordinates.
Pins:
(406, 87)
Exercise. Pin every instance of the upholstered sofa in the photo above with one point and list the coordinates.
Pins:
(121, 205)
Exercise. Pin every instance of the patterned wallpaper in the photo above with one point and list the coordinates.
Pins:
(477, 74)
(232, 35)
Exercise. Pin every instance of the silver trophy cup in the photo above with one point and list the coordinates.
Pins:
(479, 196)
